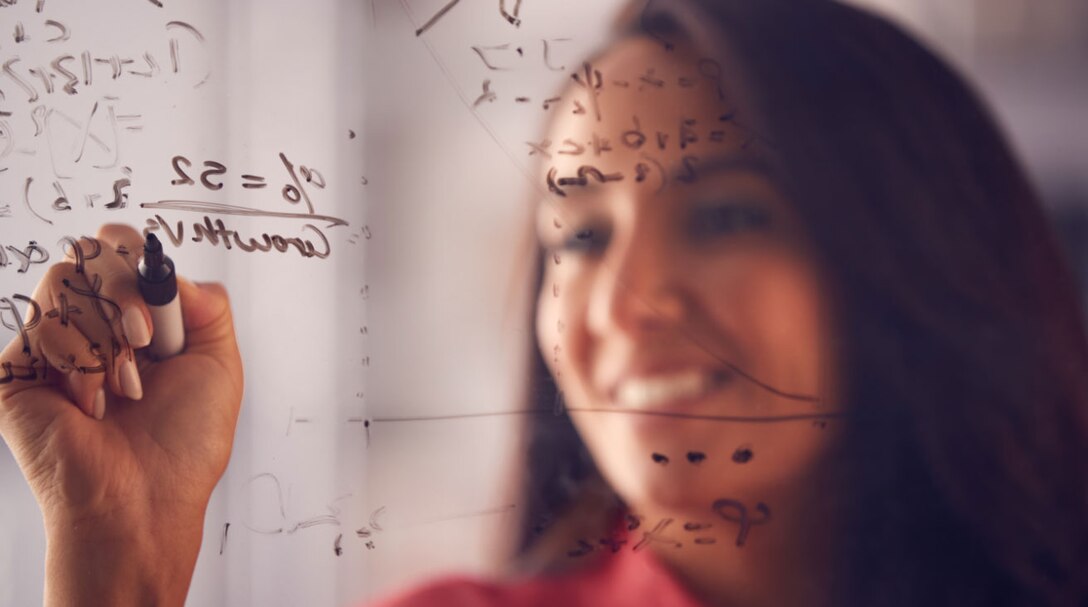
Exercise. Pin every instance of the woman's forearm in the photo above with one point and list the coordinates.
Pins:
(87, 564)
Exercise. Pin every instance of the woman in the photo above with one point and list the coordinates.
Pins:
(813, 338)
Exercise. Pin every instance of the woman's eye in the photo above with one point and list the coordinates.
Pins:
(728, 219)
(586, 240)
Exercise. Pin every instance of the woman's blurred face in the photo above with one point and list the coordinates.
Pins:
(680, 314)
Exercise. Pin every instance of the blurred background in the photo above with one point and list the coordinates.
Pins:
(1027, 58)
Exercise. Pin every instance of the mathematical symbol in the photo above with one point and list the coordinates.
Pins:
(540, 148)
(650, 79)
(583, 549)
(576, 149)
(257, 182)
(547, 51)
(487, 95)
(512, 19)
(654, 535)
(479, 50)
(294, 192)
(130, 118)
(741, 516)
(592, 81)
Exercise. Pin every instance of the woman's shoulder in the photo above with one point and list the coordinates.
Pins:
(627, 578)
(450, 591)
(470, 591)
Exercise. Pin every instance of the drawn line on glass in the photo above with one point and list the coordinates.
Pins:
(751, 419)
(197, 206)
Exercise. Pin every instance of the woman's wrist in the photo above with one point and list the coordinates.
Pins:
(121, 559)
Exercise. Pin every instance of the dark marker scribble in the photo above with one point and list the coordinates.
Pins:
(21, 326)
(479, 50)
(613, 543)
(584, 173)
(321, 519)
(737, 512)
(696, 457)
(655, 535)
(253, 182)
(688, 174)
(660, 459)
(64, 33)
(441, 13)
(650, 79)
(64, 310)
(510, 18)
(26, 199)
(296, 192)
(743, 454)
(336, 549)
(29, 90)
(223, 541)
(583, 549)
(196, 206)
(767, 419)
(488, 512)
(487, 95)
(591, 80)
(373, 521)
(174, 55)
(540, 148)
(33, 253)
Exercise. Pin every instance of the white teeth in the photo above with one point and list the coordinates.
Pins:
(646, 393)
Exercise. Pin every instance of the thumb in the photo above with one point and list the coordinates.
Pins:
(208, 322)
(202, 305)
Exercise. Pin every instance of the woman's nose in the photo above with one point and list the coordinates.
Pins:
(641, 287)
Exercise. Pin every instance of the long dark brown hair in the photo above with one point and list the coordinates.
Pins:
(962, 478)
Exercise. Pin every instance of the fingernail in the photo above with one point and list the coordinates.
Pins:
(75, 390)
(130, 380)
(132, 320)
(100, 404)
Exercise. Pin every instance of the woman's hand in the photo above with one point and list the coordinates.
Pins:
(121, 451)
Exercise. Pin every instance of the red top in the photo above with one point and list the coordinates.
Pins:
(628, 577)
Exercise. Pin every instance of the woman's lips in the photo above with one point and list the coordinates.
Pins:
(668, 390)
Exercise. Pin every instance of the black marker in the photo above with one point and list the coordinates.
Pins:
(159, 288)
